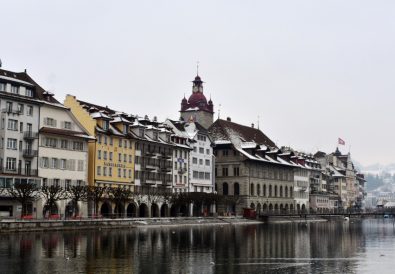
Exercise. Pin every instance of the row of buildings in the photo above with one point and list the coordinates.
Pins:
(80, 143)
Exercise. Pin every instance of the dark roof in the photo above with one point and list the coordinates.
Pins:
(64, 132)
(89, 105)
(23, 76)
(220, 131)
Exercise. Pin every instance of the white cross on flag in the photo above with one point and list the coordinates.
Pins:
(341, 142)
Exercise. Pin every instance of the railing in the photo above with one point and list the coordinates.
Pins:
(30, 135)
(12, 111)
(30, 153)
(25, 172)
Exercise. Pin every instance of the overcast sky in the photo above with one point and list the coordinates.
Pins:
(312, 70)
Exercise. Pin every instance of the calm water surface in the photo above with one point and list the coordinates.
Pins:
(356, 247)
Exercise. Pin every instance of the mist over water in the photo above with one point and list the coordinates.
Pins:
(366, 246)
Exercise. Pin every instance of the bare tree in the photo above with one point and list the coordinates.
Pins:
(95, 194)
(25, 193)
(77, 194)
(119, 196)
(52, 194)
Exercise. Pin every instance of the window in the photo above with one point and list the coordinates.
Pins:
(111, 141)
(120, 142)
(110, 171)
(104, 155)
(200, 161)
(20, 145)
(155, 135)
(64, 143)
(207, 175)
(130, 158)
(14, 89)
(2, 86)
(67, 125)
(125, 158)
(99, 154)
(11, 163)
(207, 162)
(236, 171)
(78, 145)
(201, 175)
(201, 150)
(20, 108)
(9, 106)
(45, 162)
(207, 151)
(104, 171)
(125, 143)
(105, 140)
(119, 157)
(29, 111)
(12, 124)
(225, 189)
(225, 152)
(195, 174)
(106, 125)
(50, 122)
(224, 171)
(54, 163)
(99, 139)
(80, 165)
(194, 149)
(11, 143)
(124, 173)
(51, 142)
(98, 170)
(62, 163)
(67, 184)
(29, 92)
(130, 173)
(194, 160)
(110, 156)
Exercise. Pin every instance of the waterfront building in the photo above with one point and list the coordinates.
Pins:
(63, 155)
(197, 107)
(20, 101)
(201, 159)
(251, 168)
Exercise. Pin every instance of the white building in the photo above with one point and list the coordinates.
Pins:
(20, 100)
(63, 154)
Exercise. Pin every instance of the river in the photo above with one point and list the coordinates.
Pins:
(357, 246)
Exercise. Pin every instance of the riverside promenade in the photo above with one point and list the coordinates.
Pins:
(47, 225)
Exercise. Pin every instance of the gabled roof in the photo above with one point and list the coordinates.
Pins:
(227, 130)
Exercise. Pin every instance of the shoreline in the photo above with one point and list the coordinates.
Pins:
(7, 226)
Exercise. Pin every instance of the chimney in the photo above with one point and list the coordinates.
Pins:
(252, 125)
(228, 119)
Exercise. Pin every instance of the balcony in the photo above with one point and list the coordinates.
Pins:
(165, 156)
(11, 111)
(30, 135)
(24, 172)
(29, 153)
(150, 167)
(182, 170)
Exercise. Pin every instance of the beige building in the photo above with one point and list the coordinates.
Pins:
(249, 167)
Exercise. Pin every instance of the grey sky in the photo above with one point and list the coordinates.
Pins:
(313, 70)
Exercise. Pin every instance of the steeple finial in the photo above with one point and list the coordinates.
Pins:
(197, 68)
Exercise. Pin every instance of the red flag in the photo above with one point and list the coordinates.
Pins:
(341, 142)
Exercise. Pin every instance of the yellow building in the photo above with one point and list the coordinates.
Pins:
(111, 156)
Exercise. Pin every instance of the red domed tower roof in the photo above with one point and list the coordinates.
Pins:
(197, 100)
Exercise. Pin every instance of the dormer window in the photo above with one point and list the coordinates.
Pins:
(106, 125)
(2, 86)
(67, 125)
(29, 92)
(50, 122)
(155, 135)
(125, 129)
(141, 132)
(15, 89)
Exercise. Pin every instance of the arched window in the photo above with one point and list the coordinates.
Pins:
(281, 191)
(264, 190)
(270, 191)
(225, 189)
(258, 189)
(216, 187)
(252, 190)
(286, 191)
(275, 191)
(236, 189)
(291, 194)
